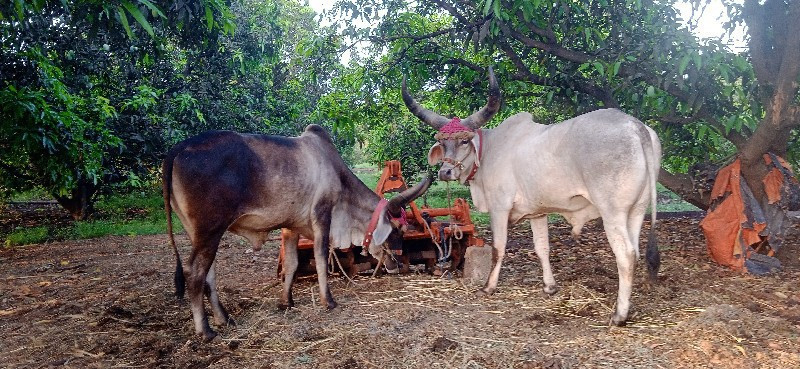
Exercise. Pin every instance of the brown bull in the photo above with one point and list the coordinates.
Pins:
(252, 184)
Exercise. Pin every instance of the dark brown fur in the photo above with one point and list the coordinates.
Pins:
(253, 184)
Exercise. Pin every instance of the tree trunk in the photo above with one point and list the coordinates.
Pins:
(80, 202)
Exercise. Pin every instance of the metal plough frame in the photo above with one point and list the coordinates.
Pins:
(428, 239)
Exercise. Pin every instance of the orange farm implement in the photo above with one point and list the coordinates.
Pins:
(433, 237)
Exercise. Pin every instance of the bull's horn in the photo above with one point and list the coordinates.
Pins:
(402, 199)
(481, 117)
(435, 120)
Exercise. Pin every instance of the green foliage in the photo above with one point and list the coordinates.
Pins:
(94, 93)
(26, 236)
(146, 202)
(135, 227)
(404, 140)
(125, 214)
(51, 137)
(69, 122)
(559, 59)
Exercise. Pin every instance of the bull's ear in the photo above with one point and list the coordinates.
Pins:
(382, 231)
(435, 154)
(476, 144)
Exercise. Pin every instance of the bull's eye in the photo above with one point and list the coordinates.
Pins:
(464, 142)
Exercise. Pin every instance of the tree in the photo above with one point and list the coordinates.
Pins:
(66, 69)
(99, 91)
(707, 103)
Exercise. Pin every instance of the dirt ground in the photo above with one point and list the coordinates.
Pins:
(109, 303)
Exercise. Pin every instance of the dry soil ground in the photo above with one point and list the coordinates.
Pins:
(108, 303)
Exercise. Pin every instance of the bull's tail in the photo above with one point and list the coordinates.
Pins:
(166, 168)
(653, 157)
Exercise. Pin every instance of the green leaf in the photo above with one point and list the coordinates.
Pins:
(698, 61)
(19, 5)
(599, 67)
(209, 17)
(153, 8)
(701, 132)
(124, 20)
(486, 6)
(683, 64)
(651, 91)
(136, 14)
(724, 71)
(615, 71)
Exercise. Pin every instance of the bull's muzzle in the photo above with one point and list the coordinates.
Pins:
(449, 173)
(450, 170)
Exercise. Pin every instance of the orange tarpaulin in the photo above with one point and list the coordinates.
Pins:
(773, 182)
(735, 226)
(727, 234)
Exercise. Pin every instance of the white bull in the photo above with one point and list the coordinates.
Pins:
(600, 164)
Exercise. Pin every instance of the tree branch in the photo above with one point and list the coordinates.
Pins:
(552, 48)
(525, 74)
(548, 34)
(684, 186)
(760, 50)
(451, 9)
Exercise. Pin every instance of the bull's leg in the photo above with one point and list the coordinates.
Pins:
(622, 246)
(220, 314)
(457, 255)
(541, 244)
(290, 263)
(499, 222)
(635, 221)
(321, 247)
(203, 254)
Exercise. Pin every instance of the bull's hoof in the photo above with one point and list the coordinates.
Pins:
(229, 322)
(484, 292)
(551, 290)
(209, 335)
(332, 304)
(286, 306)
(618, 321)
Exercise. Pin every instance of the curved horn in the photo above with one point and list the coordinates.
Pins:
(402, 199)
(434, 120)
(481, 117)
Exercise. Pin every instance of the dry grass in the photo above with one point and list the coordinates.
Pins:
(107, 303)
